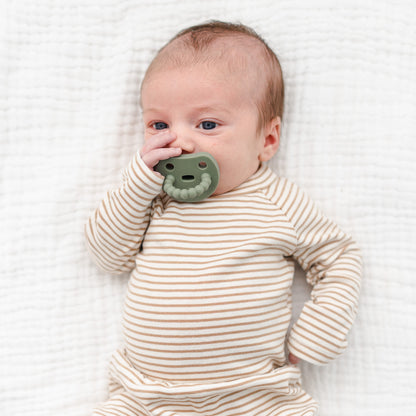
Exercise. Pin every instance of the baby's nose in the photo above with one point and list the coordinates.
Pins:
(186, 143)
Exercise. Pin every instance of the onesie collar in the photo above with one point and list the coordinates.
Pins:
(261, 179)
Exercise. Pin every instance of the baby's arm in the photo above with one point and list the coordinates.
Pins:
(333, 265)
(115, 231)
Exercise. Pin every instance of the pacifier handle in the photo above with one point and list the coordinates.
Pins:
(190, 193)
(190, 177)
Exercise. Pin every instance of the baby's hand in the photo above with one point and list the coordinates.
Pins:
(293, 359)
(155, 149)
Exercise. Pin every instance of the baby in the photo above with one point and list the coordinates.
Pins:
(208, 305)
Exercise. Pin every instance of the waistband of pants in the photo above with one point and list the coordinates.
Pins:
(280, 380)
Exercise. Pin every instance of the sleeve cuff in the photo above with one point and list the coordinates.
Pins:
(142, 179)
(319, 335)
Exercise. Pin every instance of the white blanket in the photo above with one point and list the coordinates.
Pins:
(70, 121)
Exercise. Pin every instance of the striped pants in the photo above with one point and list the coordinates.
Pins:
(132, 394)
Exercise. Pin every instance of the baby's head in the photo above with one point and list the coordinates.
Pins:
(235, 47)
(219, 81)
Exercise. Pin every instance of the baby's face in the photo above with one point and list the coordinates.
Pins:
(209, 110)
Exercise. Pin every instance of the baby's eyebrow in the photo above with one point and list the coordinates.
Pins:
(214, 107)
(149, 110)
(198, 109)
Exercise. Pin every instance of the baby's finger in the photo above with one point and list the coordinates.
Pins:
(153, 157)
(157, 141)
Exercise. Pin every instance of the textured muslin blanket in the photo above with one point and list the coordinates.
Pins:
(70, 75)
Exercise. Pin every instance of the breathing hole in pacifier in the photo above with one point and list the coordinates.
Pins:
(202, 165)
(188, 178)
(170, 166)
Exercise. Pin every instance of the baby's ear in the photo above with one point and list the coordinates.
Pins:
(270, 139)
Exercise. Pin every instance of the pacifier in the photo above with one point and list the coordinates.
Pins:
(191, 177)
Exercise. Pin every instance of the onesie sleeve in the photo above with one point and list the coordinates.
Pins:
(332, 263)
(115, 230)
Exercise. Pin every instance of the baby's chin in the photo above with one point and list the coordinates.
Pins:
(225, 186)
(223, 189)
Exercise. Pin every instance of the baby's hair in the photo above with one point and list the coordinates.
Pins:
(199, 38)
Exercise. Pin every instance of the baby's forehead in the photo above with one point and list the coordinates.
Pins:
(234, 56)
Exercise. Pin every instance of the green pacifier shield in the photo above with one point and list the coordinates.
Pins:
(189, 178)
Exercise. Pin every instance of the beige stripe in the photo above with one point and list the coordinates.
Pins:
(181, 321)
(194, 335)
(206, 289)
(169, 356)
(179, 305)
(135, 215)
(201, 312)
(211, 350)
(220, 254)
(102, 253)
(218, 264)
(152, 341)
(254, 275)
(115, 220)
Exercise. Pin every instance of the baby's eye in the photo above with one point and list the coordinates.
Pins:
(160, 125)
(208, 125)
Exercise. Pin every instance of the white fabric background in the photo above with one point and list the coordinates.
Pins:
(69, 122)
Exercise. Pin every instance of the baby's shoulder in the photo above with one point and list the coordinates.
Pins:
(283, 191)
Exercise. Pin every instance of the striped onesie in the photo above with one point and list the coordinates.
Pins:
(208, 304)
